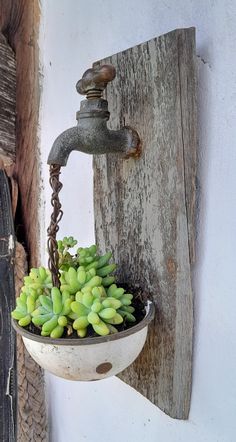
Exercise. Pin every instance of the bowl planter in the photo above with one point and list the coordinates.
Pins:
(79, 323)
(88, 359)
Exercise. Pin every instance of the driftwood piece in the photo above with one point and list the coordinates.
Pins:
(7, 102)
(144, 208)
(8, 388)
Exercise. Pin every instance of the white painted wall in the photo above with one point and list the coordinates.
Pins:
(74, 34)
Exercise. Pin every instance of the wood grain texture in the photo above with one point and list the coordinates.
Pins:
(7, 102)
(8, 389)
(19, 21)
(31, 419)
(28, 99)
(144, 209)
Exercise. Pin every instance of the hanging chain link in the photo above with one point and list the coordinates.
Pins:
(53, 228)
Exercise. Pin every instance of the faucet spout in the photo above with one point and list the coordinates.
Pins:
(63, 146)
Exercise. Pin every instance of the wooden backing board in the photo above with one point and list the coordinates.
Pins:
(8, 389)
(7, 102)
(144, 208)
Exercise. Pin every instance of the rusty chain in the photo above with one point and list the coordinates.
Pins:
(53, 228)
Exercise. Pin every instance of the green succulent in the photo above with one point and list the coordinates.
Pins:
(73, 280)
(88, 295)
(25, 305)
(35, 284)
(93, 273)
(93, 307)
(52, 313)
(38, 281)
(126, 309)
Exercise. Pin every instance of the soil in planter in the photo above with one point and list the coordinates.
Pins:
(139, 302)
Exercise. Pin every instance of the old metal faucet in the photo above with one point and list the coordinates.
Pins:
(91, 134)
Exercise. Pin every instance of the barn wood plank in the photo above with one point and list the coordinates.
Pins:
(8, 378)
(145, 208)
(7, 102)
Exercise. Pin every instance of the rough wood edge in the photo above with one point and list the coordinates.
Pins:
(189, 125)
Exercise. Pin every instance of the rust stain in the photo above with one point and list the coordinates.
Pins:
(136, 152)
(104, 367)
(171, 266)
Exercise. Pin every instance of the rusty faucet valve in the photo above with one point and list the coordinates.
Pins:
(94, 81)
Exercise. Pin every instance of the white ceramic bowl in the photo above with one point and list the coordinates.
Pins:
(88, 359)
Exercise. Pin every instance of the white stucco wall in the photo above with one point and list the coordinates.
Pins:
(74, 34)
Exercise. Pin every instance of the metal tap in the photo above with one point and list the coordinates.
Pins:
(91, 134)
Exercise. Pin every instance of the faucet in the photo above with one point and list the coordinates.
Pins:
(91, 135)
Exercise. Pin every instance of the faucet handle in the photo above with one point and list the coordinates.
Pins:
(94, 81)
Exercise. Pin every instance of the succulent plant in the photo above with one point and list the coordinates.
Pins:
(87, 297)
(52, 313)
(25, 305)
(38, 281)
(35, 284)
(93, 307)
(126, 309)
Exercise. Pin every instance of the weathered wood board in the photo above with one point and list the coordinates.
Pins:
(144, 208)
(7, 102)
(8, 389)
(19, 22)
